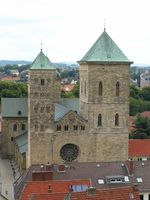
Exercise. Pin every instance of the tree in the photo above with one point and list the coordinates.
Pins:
(142, 127)
(13, 89)
(145, 93)
(135, 92)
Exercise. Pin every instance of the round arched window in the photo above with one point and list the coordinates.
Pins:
(69, 152)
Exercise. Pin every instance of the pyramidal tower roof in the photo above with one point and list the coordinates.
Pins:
(105, 50)
(42, 62)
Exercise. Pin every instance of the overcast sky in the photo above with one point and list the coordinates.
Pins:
(68, 28)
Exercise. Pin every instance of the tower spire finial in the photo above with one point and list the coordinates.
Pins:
(41, 45)
(104, 24)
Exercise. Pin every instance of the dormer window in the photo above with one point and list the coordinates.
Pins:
(42, 82)
(19, 112)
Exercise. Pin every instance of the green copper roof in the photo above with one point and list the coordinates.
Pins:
(42, 62)
(104, 50)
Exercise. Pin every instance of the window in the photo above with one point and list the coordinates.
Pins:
(81, 87)
(82, 127)
(42, 109)
(42, 127)
(85, 87)
(141, 197)
(75, 127)
(19, 112)
(36, 109)
(58, 127)
(66, 127)
(23, 127)
(100, 88)
(99, 120)
(15, 127)
(117, 119)
(117, 88)
(48, 109)
(36, 127)
(12, 139)
(42, 82)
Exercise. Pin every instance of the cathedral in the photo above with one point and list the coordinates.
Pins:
(44, 128)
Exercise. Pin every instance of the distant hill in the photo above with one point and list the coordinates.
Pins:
(23, 62)
(14, 62)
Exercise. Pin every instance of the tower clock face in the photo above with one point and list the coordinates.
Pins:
(69, 152)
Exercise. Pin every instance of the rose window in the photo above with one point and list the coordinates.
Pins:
(69, 152)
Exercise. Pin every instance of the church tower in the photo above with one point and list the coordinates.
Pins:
(43, 91)
(104, 92)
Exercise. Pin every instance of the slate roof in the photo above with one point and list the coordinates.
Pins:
(42, 62)
(139, 147)
(11, 107)
(21, 142)
(14, 107)
(105, 50)
(60, 111)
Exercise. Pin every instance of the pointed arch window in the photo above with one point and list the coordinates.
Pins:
(81, 87)
(99, 120)
(100, 88)
(117, 88)
(85, 87)
(15, 127)
(116, 119)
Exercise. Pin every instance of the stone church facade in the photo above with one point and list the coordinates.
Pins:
(97, 129)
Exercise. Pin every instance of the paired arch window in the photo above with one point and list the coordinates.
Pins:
(82, 127)
(117, 88)
(42, 82)
(116, 119)
(100, 88)
(75, 127)
(99, 120)
(58, 127)
(66, 127)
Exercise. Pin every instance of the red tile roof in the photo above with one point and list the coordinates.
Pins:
(139, 147)
(41, 187)
(122, 193)
(146, 114)
(67, 87)
(10, 78)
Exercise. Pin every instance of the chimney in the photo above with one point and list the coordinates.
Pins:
(49, 188)
(48, 167)
(91, 191)
(130, 167)
(61, 168)
(42, 176)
